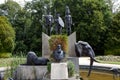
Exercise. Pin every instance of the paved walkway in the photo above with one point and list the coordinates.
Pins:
(85, 61)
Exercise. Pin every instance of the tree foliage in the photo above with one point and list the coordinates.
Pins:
(7, 35)
(93, 23)
(114, 33)
(9, 9)
(92, 20)
(21, 24)
(34, 31)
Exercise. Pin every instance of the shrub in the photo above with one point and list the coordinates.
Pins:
(49, 67)
(59, 39)
(71, 69)
(13, 64)
(5, 55)
(7, 36)
(113, 52)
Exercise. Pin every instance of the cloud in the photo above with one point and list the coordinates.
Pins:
(21, 2)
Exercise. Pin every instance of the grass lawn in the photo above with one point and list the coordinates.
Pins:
(109, 62)
(13, 63)
(5, 62)
(109, 59)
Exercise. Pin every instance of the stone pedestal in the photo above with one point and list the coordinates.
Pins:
(59, 71)
(45, 45)
(30, 72)
(71, 45)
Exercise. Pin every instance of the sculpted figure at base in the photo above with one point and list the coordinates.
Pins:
(68, 20)
(84, 48)
(32, 59)
(116, 72)
(58, 54)
(1, 76)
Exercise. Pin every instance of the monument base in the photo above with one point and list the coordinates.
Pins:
(59, 71)
(24, 72)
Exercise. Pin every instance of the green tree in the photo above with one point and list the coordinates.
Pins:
(34, 31)
(9, 9)
(22, 23)
(113, 5)
(26, 22)
(19, 18)
(116, 28)
(7, 35)
(91, 19)
(113, 39)
(93, 23)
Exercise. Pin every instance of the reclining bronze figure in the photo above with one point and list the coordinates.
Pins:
(84, 48)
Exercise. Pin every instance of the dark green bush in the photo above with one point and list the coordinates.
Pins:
(113, 52)
(7, 35)
(71, 69)
(49, 67)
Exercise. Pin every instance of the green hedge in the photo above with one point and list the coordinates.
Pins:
(113, 51)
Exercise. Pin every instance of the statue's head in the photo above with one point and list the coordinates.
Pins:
(83, 43)
(31, 53)
(59, 46)
(58, 14)
(49, 13)
(67, 10)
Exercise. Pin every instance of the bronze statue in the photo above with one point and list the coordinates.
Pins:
(32, 59)
(84, 48)
(68, 20)
(116, 72)
(58, 24)
(58, 54)
(48, 23)
(1, 76)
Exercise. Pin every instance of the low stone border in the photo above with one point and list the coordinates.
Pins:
(3, 69)
(97, 68)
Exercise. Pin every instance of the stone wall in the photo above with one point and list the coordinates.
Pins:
(24, 72)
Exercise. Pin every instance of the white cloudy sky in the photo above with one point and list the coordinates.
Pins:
(21, 2)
